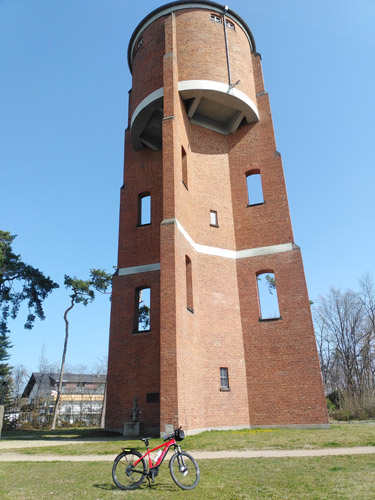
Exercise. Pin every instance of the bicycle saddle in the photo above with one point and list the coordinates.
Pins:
(145, 440)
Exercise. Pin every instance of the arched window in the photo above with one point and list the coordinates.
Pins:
(184, 167)
(267, 293)
(189, 284)
(254, 188)
(142, 309)
(144, 209)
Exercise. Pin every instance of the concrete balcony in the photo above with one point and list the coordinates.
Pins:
(213, 105)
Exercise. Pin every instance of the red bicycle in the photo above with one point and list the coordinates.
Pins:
(130, 467)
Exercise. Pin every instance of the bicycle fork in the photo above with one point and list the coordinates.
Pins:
(181, 462)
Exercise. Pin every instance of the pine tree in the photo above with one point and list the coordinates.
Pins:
(5, 370)
(19, 282)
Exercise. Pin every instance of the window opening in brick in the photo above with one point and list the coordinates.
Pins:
(213, 218)
(144, 209)
(142, 309)
(215, 18)
(254, 188)
(267, 293)
(189, 284)
(224, 379)
(229, 24)
(153, 397)
(184, 167)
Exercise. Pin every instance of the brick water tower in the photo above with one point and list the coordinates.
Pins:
(204, 224)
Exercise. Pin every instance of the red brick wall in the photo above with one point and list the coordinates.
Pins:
(283, 374)
(139, 245)
(133, 359)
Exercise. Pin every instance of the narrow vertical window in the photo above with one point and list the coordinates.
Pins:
(224, 379)
(184, 167)
(267, 293)
(254, 188)
(189, 284)
(144, 209)
(142, 309)
(213, 218)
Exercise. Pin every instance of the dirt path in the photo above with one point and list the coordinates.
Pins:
(19, 457)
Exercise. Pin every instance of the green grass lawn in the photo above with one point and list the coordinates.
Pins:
(339, 435)
(321, 478)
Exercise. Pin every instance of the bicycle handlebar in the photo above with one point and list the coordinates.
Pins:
(165, 438)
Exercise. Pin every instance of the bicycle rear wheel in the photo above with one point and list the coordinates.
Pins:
(184, 470)
(124, 474)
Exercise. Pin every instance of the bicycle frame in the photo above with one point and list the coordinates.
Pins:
(165, 446)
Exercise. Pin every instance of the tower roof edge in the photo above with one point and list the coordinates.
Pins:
(182, 4)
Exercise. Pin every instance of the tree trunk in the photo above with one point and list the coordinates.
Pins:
(102, 415)
(55, 412)
(1, 417)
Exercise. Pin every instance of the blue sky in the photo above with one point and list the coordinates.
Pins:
(63, 111)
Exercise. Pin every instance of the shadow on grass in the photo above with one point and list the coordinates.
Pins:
(68, 433)
(156, 487)
(106, 486)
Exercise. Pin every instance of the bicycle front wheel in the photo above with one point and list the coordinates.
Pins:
(184, 470)
(125, 475)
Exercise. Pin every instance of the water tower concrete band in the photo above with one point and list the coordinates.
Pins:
(190, 342)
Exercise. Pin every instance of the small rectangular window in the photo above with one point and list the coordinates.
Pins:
(224, 379)
(137, 46)
(153, 397)
(215, 18)
(229, 24)
(213, 218)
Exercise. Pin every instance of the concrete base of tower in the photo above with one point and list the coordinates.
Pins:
(192, 432)
(292, 426)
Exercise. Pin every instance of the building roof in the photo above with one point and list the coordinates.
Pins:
(47, 380)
